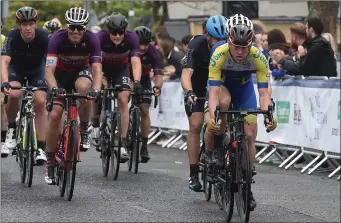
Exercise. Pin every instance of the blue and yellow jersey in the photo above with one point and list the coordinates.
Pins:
(2, 40)
(225, 70)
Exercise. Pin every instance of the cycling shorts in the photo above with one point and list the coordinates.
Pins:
(118, 76)
(35, 77)
(146, 83)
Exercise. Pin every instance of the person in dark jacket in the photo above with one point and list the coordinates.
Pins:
(316, 57)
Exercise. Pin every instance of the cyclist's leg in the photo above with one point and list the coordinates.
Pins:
(82, 85)
(245, 99)
(145, 119)
(196, 120)
(4, 149)
(37, 79)
(97, 112)
(122, 77)
(12, 107)
(64, 80)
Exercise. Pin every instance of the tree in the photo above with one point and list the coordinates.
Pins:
(327, 11)
(157, 18)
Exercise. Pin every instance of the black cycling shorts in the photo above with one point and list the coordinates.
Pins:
(118, 76)
(35, 77)
(67, 80)
(197, 107)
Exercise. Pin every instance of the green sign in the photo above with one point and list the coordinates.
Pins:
(283, 111)
(338, 111)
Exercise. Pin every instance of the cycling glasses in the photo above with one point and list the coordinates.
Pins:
(239, 43)
(78, 27)
(115, 32)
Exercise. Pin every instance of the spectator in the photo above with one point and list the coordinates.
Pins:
(162, 33)
(204, 31)
(258, 39)
(265, 41)
(172, 60)
(316, 57)
(331, 40)
(298, 35)
(185, 40)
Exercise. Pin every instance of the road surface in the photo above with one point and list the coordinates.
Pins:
(160, 193)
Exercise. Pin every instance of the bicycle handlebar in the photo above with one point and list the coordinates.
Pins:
(28, 88)
(75, 96)
(191, 105)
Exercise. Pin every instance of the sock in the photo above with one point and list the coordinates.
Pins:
(50, 159)
(144, 141)
(41, 145)
(95, 122)
(3, 135)
(84, 127)
(194, 169)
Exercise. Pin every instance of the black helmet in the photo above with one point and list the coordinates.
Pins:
(241, 30)
(117, 22)
(144, 34)
(26, 14)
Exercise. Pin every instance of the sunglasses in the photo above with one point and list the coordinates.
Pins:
(115, 32)
(78, 27)
(240, 43)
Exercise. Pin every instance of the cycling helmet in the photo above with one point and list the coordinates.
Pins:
(216, 26)
(241, 30)
(26, 14)
(51, 26)
(116, 21)
(77, 16)
(144, 34)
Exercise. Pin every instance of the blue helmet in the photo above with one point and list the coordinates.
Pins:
(216, 26)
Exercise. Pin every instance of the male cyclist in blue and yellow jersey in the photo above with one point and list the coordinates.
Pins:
(230, 70)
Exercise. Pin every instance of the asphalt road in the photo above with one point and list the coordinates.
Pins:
(160, 193)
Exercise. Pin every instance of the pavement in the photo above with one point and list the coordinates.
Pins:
(160, 193)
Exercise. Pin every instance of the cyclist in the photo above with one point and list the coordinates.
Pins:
(51, 27)
(23, 55)
(70, 53)
(118, 46)
(230, 70)
(150, 59)
(193, 80)
(2, 39)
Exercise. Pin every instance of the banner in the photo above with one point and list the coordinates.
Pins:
(308, 113)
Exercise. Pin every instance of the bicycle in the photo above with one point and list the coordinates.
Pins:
(110, 130)
(68, 154)
(133, 136)
(26, 136)
(236, 174)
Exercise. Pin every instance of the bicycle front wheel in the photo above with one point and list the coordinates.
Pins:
(243, 179)
(71, 161)
(115, 148)
(136, 139)
(105, 147)
(29, 150)
(21, 156)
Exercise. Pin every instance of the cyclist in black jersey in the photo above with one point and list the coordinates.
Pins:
(23, 55)
(193, 80)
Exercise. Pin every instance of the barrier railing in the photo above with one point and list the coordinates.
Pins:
(308, 114)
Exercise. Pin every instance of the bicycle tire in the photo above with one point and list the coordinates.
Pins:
(229, 188)
(30, 142)
(105, 147)
(243, 182)
(72, 159)
(129, 144)
(20, 152)
(115, 153)
(60, 168)
(136, 139)
(218, 194)
(207, 185)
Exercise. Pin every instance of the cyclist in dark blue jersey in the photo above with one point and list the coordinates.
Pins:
(71, 51)
(150, 59)
(23, 55)
(193, 80)
(118, 46)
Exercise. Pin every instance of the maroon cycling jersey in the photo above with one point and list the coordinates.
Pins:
(118, 55)
(70, 57)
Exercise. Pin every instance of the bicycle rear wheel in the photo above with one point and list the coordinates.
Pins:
(105, 147)
(207, 184)
(115, 148)
(243, 179)
(71, 162)
(29, 150)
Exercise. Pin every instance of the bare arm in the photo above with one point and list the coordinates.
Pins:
(213, 99)
(49, 76)
(97, 75)
(264, 98)
(186, 76)
(158, 81)
(137, 68)
(5, 60)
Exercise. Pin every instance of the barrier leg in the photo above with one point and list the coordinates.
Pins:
(335, 163)
(294, 160)
(154, 137)
(288, 159)
(268, 155)
(338, 178)
(185, 148)
(311, 163)
(262, 151)
(168, 141)
(174, 141)
(279, 156)
(183, 145)
(317, 165)
(334, 172)
(152, 133)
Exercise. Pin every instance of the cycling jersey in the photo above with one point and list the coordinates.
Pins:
(70, 57)
(118, 55)
(197, 58)
(2, 40)
(151, 60)
(26, 56)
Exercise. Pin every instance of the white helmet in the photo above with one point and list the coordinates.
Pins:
(238, 19)
(77, 16)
